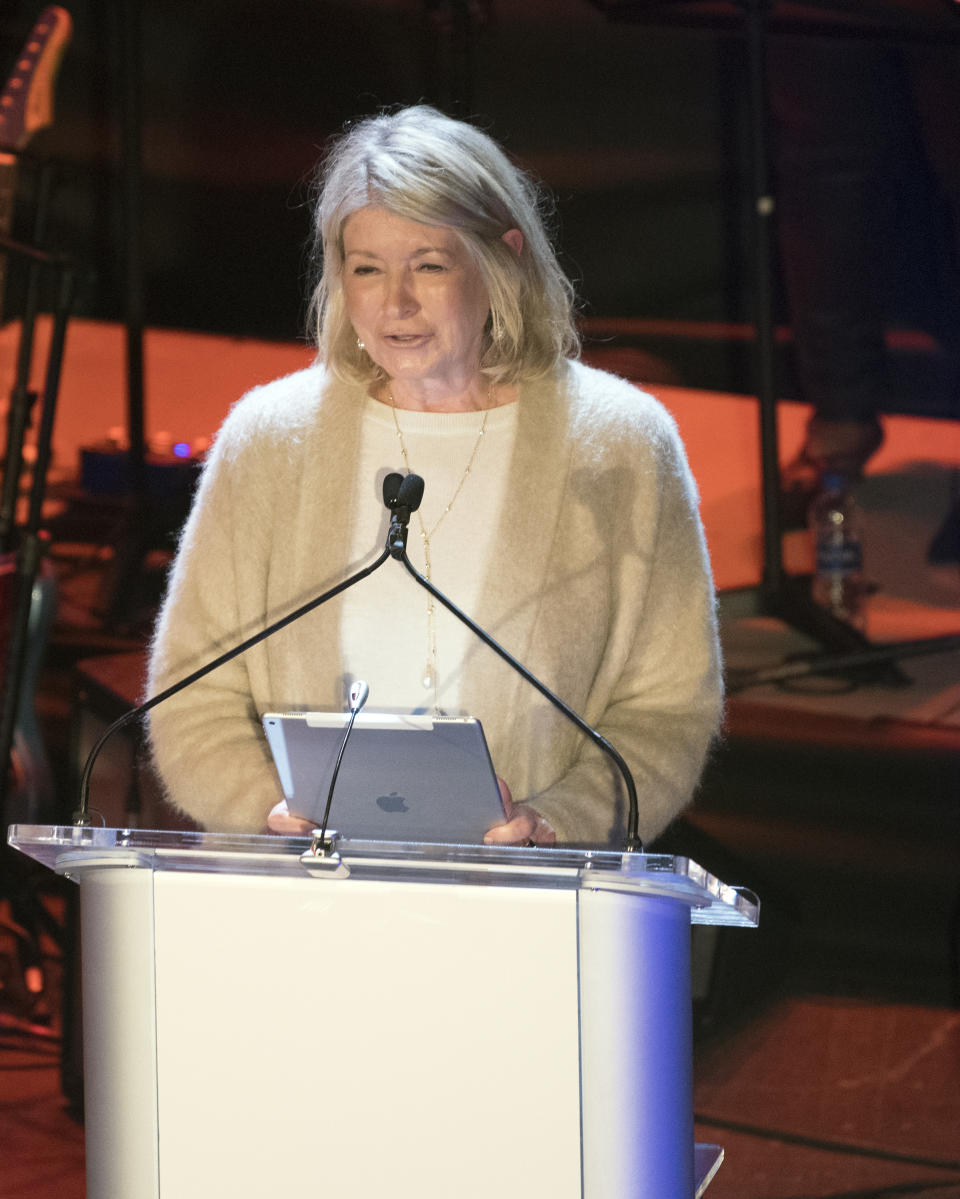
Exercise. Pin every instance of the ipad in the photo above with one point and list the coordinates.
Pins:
(402, 778)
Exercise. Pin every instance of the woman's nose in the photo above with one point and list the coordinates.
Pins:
(401, 300)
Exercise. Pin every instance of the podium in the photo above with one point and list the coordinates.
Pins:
(400, 1020)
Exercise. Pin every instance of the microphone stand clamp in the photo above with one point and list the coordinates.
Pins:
(397, 534)
(322, 857)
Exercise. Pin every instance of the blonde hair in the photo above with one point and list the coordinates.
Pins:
(423, 166)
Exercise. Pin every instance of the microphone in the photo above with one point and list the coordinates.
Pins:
(407, 500)
(391, 489)
(392, 494)
(410, 494)
(358, 697)
(359, 694)
(632, 842)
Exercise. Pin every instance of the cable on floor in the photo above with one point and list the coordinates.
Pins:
(829, 1146)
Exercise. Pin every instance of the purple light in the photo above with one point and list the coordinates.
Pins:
(182, 449)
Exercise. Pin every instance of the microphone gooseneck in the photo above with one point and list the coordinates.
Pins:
(392, 493)
(402, 495)
(358, 697)
(632, 842)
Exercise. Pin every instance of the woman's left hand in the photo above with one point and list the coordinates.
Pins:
(281, 821)
(523, 825)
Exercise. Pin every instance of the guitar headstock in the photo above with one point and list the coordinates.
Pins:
(26, 104)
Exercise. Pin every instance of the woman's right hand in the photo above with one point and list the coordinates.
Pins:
(522, 825)
(280, 821)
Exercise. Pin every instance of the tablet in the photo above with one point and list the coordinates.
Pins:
(402, 778)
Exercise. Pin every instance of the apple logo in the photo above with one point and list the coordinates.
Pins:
(392, 803)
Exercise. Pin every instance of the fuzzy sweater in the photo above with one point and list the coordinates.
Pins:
(600, 585)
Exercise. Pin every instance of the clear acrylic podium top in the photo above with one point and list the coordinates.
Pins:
(71, 849)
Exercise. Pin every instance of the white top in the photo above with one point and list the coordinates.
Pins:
(385, 632)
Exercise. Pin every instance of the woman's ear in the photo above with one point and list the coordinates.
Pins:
(514, 239)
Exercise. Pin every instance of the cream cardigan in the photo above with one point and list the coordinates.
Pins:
(599, 533)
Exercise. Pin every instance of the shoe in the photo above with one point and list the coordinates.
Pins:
(840, 447)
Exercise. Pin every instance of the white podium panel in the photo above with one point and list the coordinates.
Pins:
(440, 1059)
(119, 1033)
(636, 1045)
(404, 1020)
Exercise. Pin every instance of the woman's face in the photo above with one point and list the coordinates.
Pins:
(414, 297)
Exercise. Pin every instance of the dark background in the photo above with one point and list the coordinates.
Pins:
(639, 129)
(633, 128)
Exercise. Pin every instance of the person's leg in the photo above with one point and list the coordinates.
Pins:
(839, 122)
(934, 81)
(934, 73)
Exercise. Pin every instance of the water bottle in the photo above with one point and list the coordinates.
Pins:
(838, 583)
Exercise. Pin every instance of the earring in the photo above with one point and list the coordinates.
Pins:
(360, 345)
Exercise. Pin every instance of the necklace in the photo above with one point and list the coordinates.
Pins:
(431, 670)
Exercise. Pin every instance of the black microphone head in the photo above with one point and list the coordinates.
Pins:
(391, 489)
(411, 492)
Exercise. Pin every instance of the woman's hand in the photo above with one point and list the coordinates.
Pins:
(280, 821)
(523, 825)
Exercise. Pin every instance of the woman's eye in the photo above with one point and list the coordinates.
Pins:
(431, 267)
(363, 270)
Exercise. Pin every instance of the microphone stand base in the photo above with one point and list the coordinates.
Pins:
(322, 858)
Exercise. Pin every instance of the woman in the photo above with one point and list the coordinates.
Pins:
(559, 512)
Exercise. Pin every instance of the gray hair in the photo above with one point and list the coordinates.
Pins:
(425, 167)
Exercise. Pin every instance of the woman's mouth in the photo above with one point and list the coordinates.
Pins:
(406, 340)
